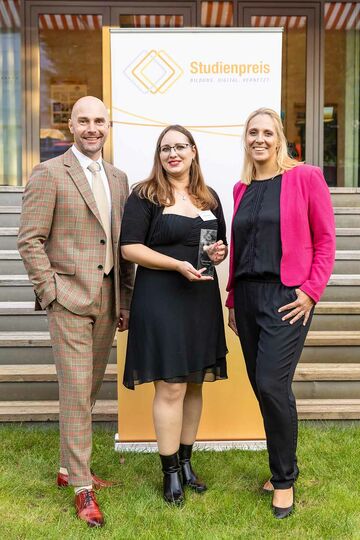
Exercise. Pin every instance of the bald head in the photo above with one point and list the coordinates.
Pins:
(89, 103)
(89, 123)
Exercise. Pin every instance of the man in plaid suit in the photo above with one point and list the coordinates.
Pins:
(69, 242)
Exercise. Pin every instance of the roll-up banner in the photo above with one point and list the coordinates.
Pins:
(208, 81)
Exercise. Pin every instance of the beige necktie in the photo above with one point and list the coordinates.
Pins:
(103, 207)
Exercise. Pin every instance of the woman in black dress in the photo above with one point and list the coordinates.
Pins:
(176, 331)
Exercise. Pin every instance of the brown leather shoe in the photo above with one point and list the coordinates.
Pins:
(88, 509)
(98, 483)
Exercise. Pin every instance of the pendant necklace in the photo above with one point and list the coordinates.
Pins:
(183, 197)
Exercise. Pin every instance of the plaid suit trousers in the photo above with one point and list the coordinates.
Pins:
(81, 346)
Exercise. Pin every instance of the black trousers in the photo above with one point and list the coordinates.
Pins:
(272, 349)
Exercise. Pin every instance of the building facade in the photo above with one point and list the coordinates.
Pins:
(51, 54)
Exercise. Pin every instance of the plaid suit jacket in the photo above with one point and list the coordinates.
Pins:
(61, 237)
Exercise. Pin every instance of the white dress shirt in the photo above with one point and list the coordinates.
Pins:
(85, 161)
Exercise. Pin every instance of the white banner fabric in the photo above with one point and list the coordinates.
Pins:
(207, 81)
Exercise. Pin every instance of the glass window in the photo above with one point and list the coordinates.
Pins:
(293, 86)
(70, 67)
(151, 21)
(342, 94)
(10, 94)
(217, 14)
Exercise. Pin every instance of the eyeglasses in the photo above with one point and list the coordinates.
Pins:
(179, 149)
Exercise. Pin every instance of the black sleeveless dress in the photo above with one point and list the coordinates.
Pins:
(176, 328)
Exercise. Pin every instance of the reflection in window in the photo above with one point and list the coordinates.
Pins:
(151, 21)
(293, 80)
(342, 93)
(70, 67)
(10, 93)
(217, 14)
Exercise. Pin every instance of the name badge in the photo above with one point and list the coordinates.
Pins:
(207, 215)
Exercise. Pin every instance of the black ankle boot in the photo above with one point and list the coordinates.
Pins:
(173, 490)
(189, 476)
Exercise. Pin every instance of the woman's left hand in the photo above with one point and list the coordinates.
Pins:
(217, 252)
(300, 308)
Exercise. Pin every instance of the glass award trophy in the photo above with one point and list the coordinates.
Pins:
(207, 237)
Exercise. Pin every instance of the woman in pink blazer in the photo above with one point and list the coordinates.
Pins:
(281, 257)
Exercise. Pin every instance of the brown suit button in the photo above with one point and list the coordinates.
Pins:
(102, 241)
(100, 267)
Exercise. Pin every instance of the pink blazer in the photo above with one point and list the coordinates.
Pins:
(307, 229)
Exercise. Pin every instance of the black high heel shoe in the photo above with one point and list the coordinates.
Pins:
(190, 478)
(282, 513)
(172, 486)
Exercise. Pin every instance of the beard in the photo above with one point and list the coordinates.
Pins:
(91, 148)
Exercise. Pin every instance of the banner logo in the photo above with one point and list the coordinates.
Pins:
(154, 72)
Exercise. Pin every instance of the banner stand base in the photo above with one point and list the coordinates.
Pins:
(215, 446)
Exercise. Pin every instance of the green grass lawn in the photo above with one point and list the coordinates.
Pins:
(327, 496)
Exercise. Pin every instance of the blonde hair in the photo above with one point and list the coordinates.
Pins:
(157, 188)
(283, 161)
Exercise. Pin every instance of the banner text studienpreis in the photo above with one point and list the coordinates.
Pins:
(197, 68)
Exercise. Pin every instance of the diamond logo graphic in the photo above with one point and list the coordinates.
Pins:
(154, 72)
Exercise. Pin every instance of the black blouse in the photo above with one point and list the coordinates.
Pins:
(256, 229)
(142, 224)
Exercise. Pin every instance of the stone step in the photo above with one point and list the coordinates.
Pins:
(327, 354)
(42, 411)
(336, 316)
(15, 391)
(342, 266)
(343, 287)
(11, 195)
(347, 216)
(22, 315)
(15, 288)
(11, 263)
(34, 355)
(31, 347)
(326, 389)
(107, 410)
(30, 382)
(9, 215)
(321, 372)
(8, 237)
(338, 210)
(27, 339)
(35, 382)
(304, 372)
(345, 197)
(341, 308)
(348, 238)
(328, 409)
(42, 339)
(332, 338)
(331, 347)
(42, 373)
(347, 262)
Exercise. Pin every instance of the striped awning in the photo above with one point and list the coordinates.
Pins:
(342, 16)
(217, 14)
(10, 14)
(158, 21)
(70, 22)
(338, 16)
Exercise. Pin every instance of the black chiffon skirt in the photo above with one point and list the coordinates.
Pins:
(176, 330)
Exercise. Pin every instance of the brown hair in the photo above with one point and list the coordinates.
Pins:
(283, 160)
(157, 188)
